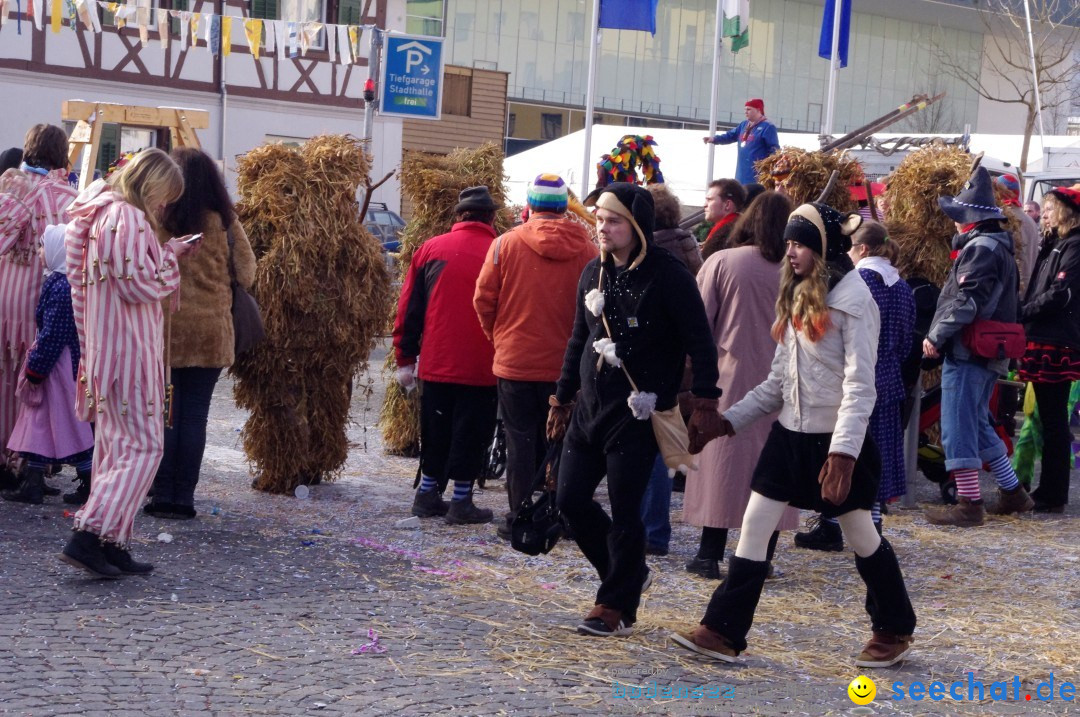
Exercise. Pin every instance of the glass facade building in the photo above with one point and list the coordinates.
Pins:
(666, 78)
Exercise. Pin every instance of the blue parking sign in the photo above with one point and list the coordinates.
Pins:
(412, 77)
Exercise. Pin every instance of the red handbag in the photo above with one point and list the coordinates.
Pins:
(995, 340)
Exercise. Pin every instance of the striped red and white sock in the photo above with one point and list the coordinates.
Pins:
(967, 483)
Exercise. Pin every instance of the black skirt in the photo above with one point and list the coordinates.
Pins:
(790, 463)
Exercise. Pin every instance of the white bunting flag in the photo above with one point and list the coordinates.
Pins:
(280, 33)
(39, 12)
(331, 43)
(185, 24)
(142, 19)
(163, 28)
(271, 30)
(344, 48)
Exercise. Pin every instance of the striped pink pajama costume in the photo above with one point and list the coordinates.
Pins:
(119, 275)
(22, 224)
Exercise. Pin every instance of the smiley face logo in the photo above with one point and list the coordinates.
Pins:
(862, 690)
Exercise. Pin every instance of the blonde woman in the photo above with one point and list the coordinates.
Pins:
(119, 275)
(818, 455)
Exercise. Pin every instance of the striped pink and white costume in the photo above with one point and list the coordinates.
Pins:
(119, 275)
(22, 224)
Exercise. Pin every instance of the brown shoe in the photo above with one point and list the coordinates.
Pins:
(706, 641)
(605, 622)
(967, 513)
(883, 650)
(1016, 500)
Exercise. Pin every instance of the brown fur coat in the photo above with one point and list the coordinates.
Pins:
(202, 330)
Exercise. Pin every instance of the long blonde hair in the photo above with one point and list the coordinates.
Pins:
(801, 301)
(1068, 218)
(151, 178)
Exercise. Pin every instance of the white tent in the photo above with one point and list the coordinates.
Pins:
(683, 156)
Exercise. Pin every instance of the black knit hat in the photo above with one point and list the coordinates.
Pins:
(975, 202)
(822, 229)
(477, 199)
(631, 201)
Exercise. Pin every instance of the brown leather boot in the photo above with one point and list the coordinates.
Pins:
(1016, 500)
(708, 642)
(967, 513)
(884, 650)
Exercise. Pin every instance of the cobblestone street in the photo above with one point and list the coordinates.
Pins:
(279, 605)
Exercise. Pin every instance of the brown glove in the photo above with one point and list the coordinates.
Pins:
(835, 477)
(558, 419)
(706, 423)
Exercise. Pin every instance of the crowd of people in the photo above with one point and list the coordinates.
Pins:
(770, 365)
(103, 369)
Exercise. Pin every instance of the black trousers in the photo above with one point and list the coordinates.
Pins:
(1053, 401)
(523, 406)
(178, 473)
(614, 545)
(456, 424)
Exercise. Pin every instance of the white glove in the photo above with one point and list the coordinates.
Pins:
(406, 377)
(606, 348)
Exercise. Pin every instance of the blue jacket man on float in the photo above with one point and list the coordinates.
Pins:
(756, 137)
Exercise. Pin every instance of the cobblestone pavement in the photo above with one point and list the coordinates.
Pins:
(263, 605)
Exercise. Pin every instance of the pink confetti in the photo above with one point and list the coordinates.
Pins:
(548, 586)
(372, 646)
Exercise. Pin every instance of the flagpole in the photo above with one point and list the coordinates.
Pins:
(714, 100)
(834, 66)
(1035, 78)
(590, 87)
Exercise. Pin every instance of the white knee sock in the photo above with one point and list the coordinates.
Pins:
(759, 521)
(860, 533)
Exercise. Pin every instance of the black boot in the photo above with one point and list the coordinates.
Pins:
(30, 490)
(731, 608)
(887, 599)
(8, 479)
(122, 559)
(822, 535)
(85, 551)
(82, 490)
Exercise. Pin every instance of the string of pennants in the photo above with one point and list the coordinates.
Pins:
(293, 38)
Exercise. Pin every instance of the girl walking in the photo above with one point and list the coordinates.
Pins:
(817, 455)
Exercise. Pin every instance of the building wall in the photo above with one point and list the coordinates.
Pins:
(542, 43)
(485, 121)
(264, 99)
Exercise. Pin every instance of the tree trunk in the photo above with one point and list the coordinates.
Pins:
(1029, 128)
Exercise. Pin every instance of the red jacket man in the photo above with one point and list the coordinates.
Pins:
(435, 323)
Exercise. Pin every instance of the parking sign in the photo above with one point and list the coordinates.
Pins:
(412, 77)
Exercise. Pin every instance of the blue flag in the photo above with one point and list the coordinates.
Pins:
(825, 44)
(628, 15)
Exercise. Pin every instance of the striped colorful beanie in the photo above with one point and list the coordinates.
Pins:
(547, 193)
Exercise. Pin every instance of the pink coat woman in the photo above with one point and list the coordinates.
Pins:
(739, 288)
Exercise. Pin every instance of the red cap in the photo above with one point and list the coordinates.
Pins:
(1068, 196)
(757, 104)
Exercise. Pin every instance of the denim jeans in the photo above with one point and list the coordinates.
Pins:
(656, 506)
(966, 434)
(178, 472)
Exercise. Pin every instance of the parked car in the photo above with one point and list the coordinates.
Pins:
(384, 225)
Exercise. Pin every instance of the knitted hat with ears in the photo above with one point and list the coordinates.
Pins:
(822, 229)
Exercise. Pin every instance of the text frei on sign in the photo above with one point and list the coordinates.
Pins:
(412, 77)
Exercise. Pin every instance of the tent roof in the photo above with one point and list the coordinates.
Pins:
(683, 157)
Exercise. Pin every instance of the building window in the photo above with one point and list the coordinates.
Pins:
(551, 126)
(511, 124)
(350, 12)
(424, 17)
(457, 93)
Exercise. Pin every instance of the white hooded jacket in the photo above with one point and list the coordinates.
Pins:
(823, 386)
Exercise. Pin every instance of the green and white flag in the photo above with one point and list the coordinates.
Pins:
(737, 23)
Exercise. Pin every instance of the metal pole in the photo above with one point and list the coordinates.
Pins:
(1035, 77)
(224, 105)
(834, 66)
(590, 87)
(715, 98)
(374, 65)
